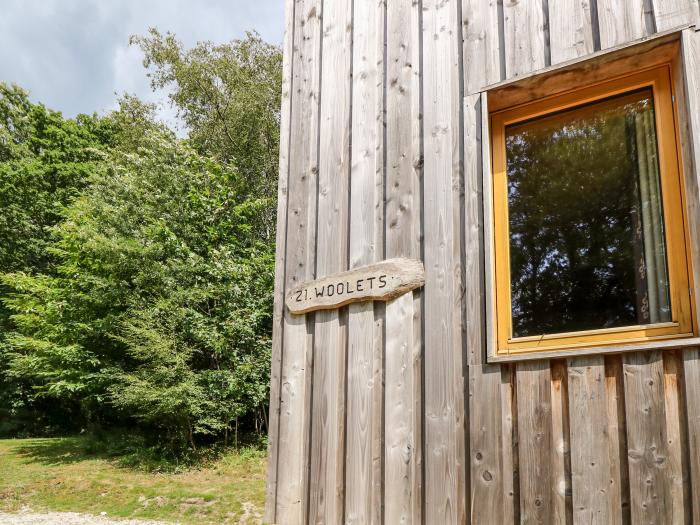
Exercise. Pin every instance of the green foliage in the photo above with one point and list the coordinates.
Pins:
(229, 98)
(161, 303)
(197, 323)
(138, 291)
(45, 162)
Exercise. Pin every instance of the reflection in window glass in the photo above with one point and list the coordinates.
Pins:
(587, 243)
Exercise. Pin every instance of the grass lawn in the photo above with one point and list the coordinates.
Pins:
(58, 475)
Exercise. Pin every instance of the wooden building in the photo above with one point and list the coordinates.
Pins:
(506, 389)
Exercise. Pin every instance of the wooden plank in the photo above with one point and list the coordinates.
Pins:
(493, 445)
(363, 496)
(570, 29)
(380, 281)
(509, 433)
(492, 436)
(688, 89)
(444, 396)
(377, 436)
(327, 479)
(646, 438)
(687, 86)
(295, 426)
(691, 369)
(474, 298)
(526, 39)
(619, 509)
(535, 448)
(363, 472)
(676, 442)
(367, 175)
(403, 359)
(297, 360)
(590, 466)
(365, 446)
(561, 460)
(628, 48)
(599, 350)
(280, 259)
(620, 22)
(669, 14)
(402, 473)
(483, 54)
(593, 68)
(489, 325)
(486, 439)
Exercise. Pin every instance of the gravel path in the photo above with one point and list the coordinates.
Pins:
(66, 518)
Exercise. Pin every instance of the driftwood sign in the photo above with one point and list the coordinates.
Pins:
(382, 281)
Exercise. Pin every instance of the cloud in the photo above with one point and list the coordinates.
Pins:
(73, 55)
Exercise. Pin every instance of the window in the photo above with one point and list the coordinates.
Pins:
(589, 232)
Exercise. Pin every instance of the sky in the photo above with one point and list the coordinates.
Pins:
(74, 55)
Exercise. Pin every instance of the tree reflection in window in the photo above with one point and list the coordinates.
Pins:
(587, 248)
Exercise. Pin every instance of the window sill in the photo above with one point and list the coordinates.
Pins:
(597, 350)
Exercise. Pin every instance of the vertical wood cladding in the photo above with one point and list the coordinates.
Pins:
(390, 413)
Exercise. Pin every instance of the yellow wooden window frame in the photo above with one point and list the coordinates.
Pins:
(681, 325)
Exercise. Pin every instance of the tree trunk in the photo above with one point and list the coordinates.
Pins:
(264, 413)
(191, 435)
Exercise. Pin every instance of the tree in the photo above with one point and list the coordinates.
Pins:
(228, 96)
(45, 162)
(151, 300)
(160, 306)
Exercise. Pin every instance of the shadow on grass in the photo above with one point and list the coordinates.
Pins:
(121, 450)
(61, 451)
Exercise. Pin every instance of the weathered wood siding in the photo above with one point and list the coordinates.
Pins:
(389, 413)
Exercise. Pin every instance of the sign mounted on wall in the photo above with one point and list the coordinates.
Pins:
(382, 281)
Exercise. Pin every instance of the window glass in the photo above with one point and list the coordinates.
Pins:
(586, 228)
